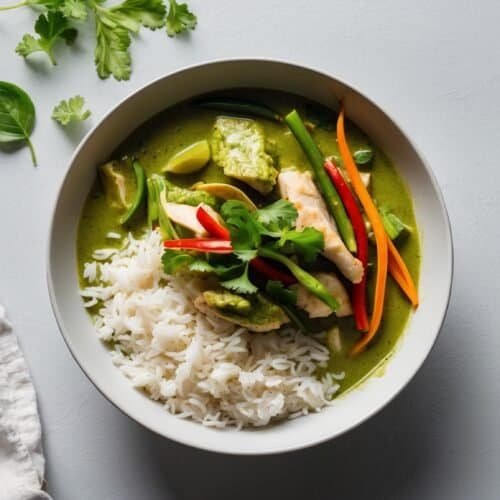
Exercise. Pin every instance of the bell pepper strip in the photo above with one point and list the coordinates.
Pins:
(316, 159)
(400, 273)
(140, 178)
(381, 239)
(358, 294)
(271, 273)
(307, 280)
(212, 226)
(208, 245)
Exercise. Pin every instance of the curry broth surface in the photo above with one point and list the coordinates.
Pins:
(178, 127)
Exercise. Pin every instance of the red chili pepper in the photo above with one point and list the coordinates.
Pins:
(211, 225)
(209, 245)
(271, 273)
(358, 224)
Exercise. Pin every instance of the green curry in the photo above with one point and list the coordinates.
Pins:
(187, 124)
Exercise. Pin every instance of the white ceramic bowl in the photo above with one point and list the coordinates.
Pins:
(352, 408)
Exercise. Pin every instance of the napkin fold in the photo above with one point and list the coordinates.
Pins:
(21, 457)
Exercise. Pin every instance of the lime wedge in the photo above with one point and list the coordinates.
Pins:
(189, 160)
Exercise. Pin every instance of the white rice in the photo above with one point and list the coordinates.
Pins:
(209, 370)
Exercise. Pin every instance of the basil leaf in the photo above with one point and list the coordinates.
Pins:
(363, 156)
(17, 116)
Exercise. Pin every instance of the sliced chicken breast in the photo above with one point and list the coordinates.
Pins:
(299, 188)
(315, 307)
(185, 216)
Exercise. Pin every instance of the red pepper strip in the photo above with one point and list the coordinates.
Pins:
(209, 245)
(211, 225)
(271, 273)
(358, 224)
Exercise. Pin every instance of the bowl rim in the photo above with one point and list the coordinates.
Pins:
(448, 247)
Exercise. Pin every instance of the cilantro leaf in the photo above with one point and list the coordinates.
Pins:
(245, 255)
(277, 291)
(240, 284)
(307, 243)
(201, 266)
(131, 14)
(175, 260)
(50, 27)
(179, 18)
(244, 229)
(70, 110)
(277, 217)
(74, 9)
(111, 53)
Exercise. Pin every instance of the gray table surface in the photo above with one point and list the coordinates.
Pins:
(434, 66)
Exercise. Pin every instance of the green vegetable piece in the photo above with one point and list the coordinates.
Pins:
(70, 110)
(226, 192)
(264, 315)
(228, 301)
(190, 159)
(303, 277)
(316, 159)
(238, 147)
(159, 185)
(393, 225)
(17, 116)
(179, 18)
(177, 194)
(276, 290)
(152, 203)
(308, 243)
(140, 177)
(51, 28)
(246, 108)
(277, 217)
(363, 156)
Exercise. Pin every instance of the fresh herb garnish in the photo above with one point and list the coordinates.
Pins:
(51, 28)
(363, 156)
(70, 110)
(179, 18)
(114, 26)
(17, 116)
(307, 243)
(393, 225)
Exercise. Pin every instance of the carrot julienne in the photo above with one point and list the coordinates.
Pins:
(400, 273)
(378, 230)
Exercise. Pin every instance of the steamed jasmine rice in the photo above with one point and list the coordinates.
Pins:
(197, 366)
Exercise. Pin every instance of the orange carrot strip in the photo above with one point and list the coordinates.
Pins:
(400, 273)
(378, 230)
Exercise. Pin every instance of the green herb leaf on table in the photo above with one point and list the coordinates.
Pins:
(111, 54)
(17, 116)
(70, 110)
(51, 28)
(179, 18)
(74, 9)
(131, 14)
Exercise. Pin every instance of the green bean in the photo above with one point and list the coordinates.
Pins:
(140, 178)
(241, 107)
(317, 160)
(307, 280)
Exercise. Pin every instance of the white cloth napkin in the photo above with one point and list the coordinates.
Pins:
(21, 456)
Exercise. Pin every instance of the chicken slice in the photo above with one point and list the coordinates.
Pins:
(315, 307)
(299, 189)
(185, 216)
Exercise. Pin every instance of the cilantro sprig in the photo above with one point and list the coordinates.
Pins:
(114, 26)
(70, 110)
(268, 232)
